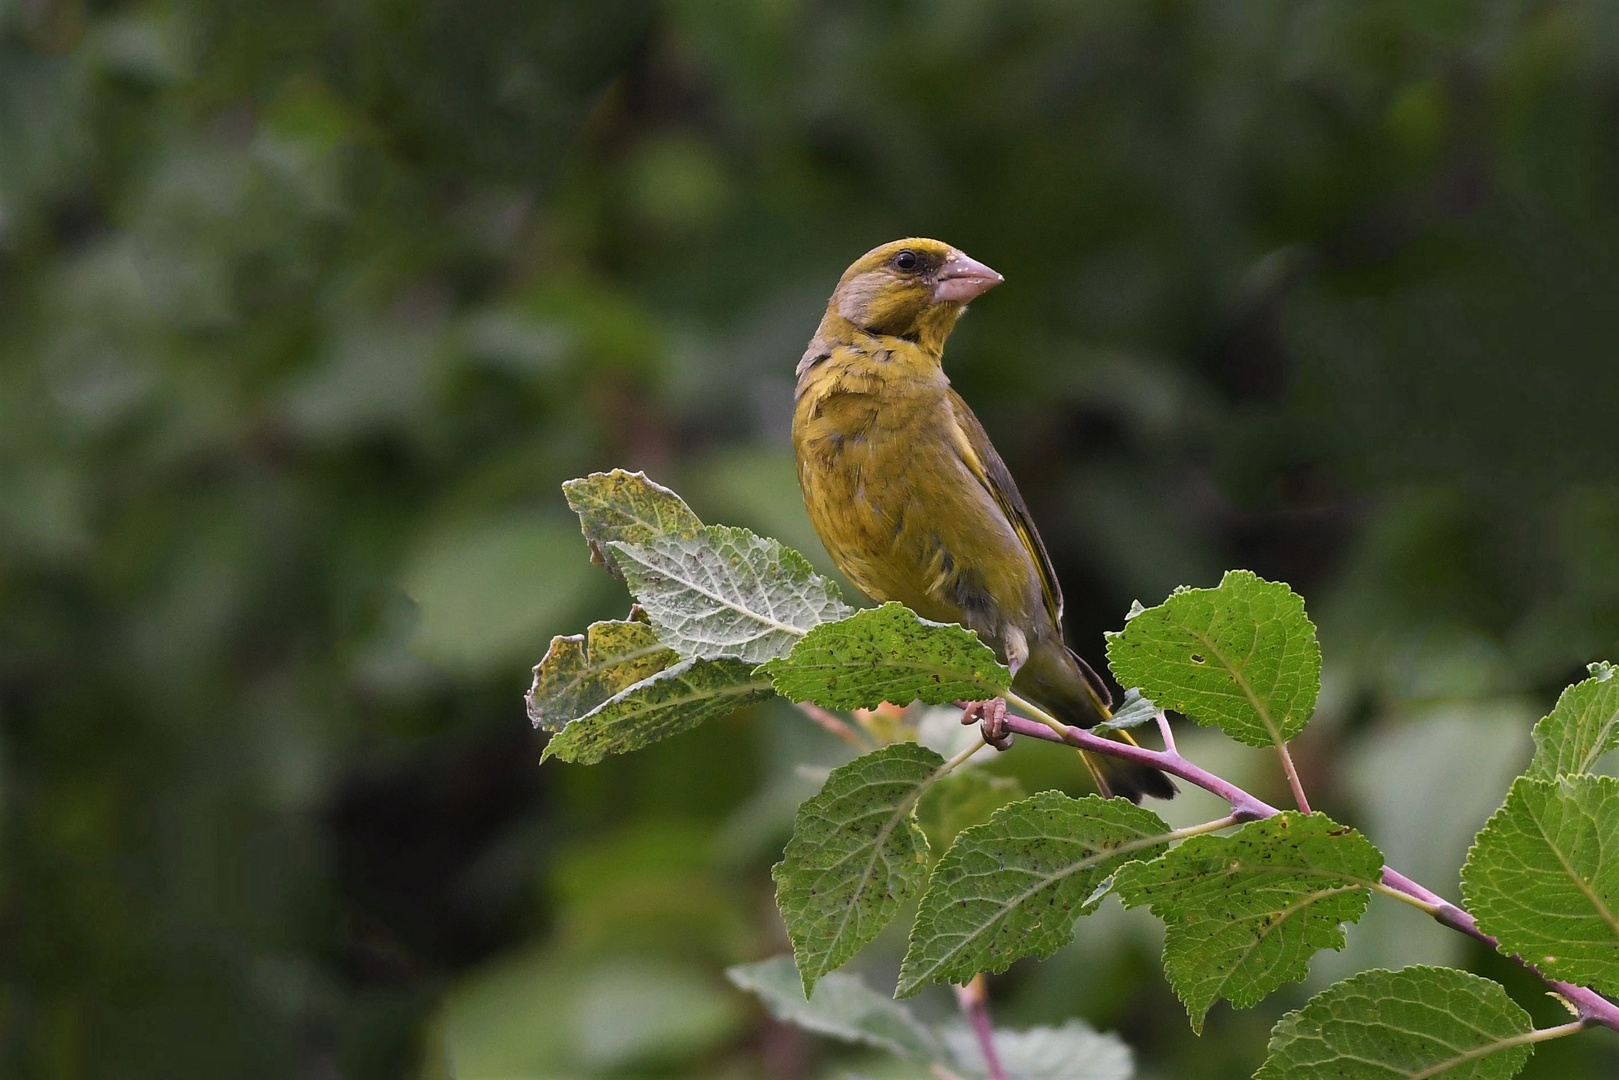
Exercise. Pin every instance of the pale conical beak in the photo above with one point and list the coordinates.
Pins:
(962, 279)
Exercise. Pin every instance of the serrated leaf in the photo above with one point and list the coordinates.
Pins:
(888, 654)
(1242, 656)
(1133, 711)
(1418, 1023)
(842, 1007)
(1014, 886)
(965, 798)
(722, 591)
(1075, 1051)
(580, 671)
(856, 855)
(674, 700)
(625, 506)
(1582, 726)
(1543, 878)
(1244, 913)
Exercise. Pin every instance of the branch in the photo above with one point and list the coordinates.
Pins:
(974, 1001)
(832, 722)
(1244, 807)
(1590, 1006)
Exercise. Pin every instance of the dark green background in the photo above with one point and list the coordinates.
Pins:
(306, 309)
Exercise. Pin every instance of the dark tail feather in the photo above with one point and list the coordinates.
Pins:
(1130, 779)
(1058, 680)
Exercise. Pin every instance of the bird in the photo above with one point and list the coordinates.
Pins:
(910, 497)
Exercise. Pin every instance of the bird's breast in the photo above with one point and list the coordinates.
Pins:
(887, 492)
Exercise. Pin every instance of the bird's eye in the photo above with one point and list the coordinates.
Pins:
(905, 260)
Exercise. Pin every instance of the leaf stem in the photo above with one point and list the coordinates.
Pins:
(974, 1002)
(960, 759)
(1538, 1035)
(1292, 777)
(1545, 1034)
(1431, 910)
(1167, 732)
(1591, 1006)
(831, 721)
(1198, 830)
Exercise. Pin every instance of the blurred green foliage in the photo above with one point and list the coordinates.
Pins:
(307, 308)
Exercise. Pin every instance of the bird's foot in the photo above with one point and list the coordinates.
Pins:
(990, 716)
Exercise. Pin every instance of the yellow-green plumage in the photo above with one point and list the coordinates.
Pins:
(907, 492)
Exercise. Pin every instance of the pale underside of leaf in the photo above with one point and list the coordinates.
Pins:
(1133, 711)
(842, 1007)
(1074, 1051)
(625, 506)
(674, 700)
(580, 671)
(723, 591)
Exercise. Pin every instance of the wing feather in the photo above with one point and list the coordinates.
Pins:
(985, 463)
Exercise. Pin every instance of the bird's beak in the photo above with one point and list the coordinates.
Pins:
(961, 279)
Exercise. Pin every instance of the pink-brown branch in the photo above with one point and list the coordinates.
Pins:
(1590, 1006)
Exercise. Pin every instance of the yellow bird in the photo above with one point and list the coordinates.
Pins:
(909, 496)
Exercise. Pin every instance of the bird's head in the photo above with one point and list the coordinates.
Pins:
(913, 288)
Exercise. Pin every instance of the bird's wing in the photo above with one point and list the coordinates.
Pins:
(979, 455)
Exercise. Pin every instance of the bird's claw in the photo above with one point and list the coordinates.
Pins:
(990, 716)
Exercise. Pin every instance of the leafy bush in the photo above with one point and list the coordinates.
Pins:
(724, 617)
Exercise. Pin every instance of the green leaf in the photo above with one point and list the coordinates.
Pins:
(1242, 657)
(1543, 878)
(580, 671)
(1582, 726)
(965, 798)
(1417, 1023)
(842, 1007)
(674, 700)
(1074, 1051)
(1244, 913)
(626, 506)
(1014, 886)
(1133, 711)
(722, 591)
(856, 855)
(888, 654)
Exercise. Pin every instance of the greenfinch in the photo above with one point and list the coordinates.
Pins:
(910, 497)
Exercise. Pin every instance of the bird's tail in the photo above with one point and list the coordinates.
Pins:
(1057, 679)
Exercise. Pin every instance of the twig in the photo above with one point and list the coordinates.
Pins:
(1244, 807)
(974, 1001)
(830, 721)
(1589, 1006)
(1168, 733)
(1293, 778)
